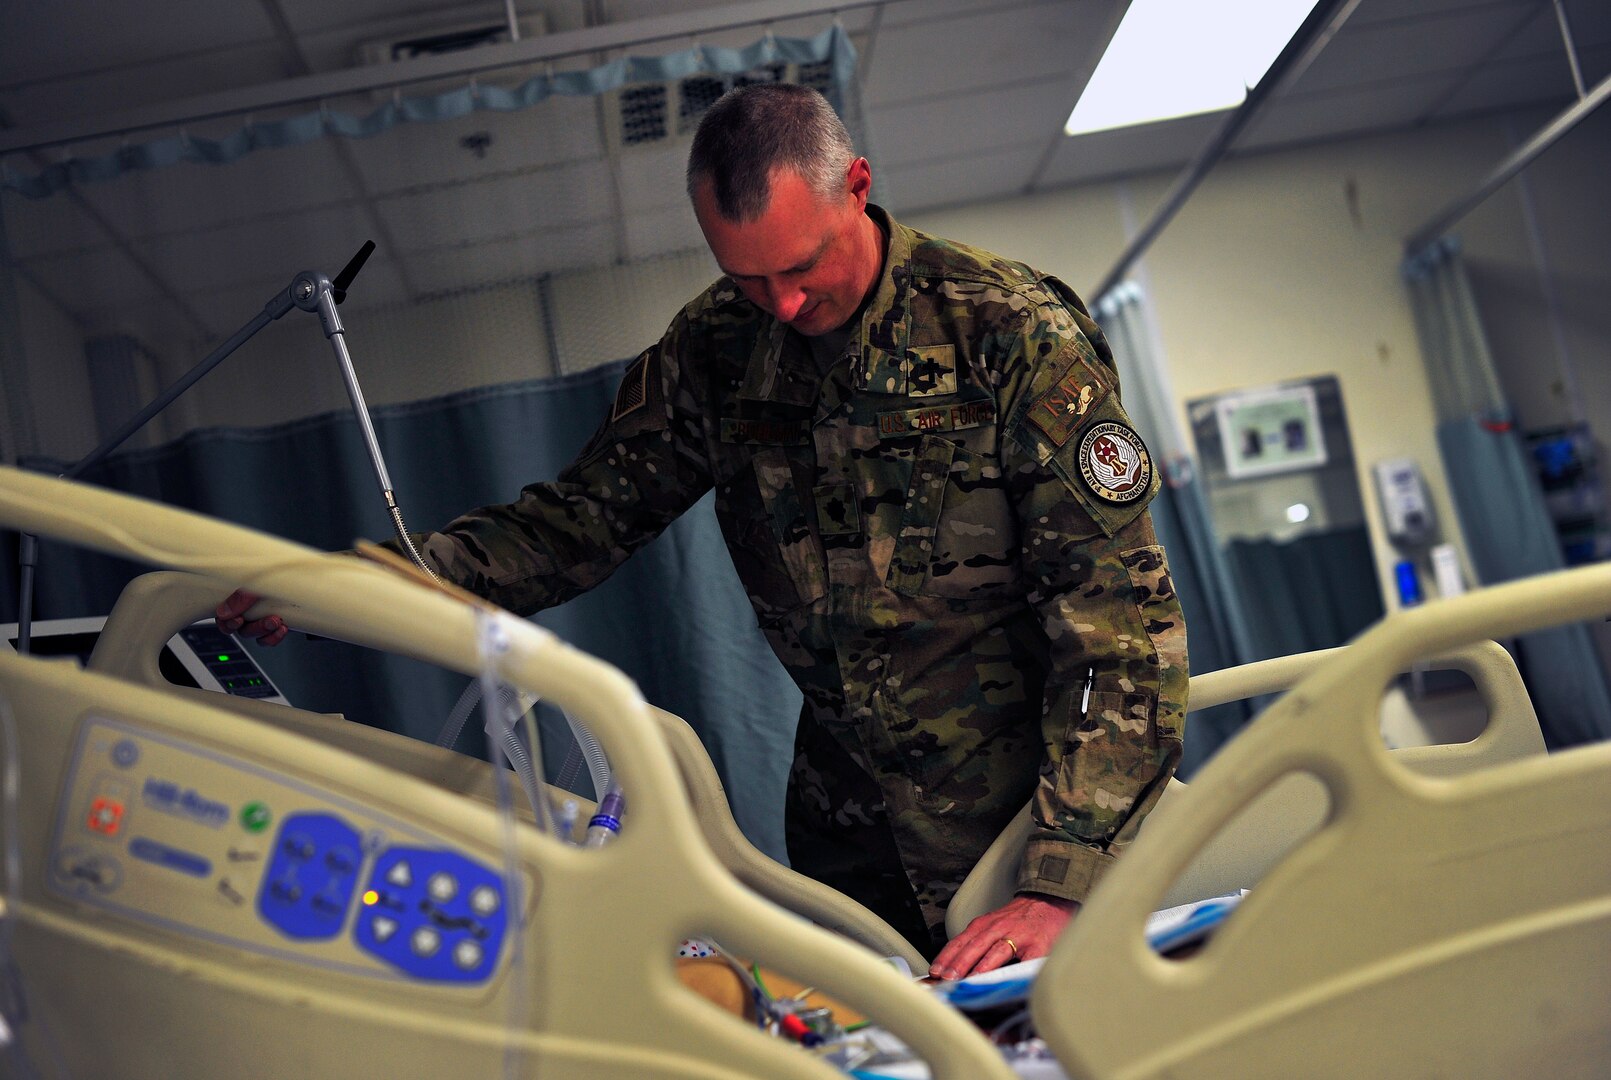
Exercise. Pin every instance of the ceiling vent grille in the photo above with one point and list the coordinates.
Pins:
(446, 40)
(651, 113)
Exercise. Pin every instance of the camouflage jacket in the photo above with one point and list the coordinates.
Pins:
(944, 540)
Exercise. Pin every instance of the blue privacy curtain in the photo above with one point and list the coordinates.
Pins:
(674, 617)
(1216, 628)
(1508, 530)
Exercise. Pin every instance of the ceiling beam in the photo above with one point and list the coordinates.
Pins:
(311, 89)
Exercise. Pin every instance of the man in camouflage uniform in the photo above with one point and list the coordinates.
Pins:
(936, 505)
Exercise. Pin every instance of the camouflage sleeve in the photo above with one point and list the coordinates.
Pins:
(646, 464)
(1114, 705)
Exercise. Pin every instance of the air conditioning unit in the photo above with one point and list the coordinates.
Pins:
(438, 40)
(650, 114)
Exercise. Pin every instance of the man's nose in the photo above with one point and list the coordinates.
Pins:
(786, 299)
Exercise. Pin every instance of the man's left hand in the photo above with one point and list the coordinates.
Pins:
(1024, 928)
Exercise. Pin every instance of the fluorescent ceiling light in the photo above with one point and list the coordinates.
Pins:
(1174, 58)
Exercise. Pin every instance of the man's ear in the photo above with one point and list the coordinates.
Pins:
(859, 178)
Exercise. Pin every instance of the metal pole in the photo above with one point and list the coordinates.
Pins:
(1571, 47)
(1315, 33)
(271, 311)
(1515, 163)
(311, 292)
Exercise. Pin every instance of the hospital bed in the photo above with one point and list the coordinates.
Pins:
(1237, 856)
(1448, 916)
(198, 894)
(1333, 949)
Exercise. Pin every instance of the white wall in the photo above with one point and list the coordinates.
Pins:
(1286, 265)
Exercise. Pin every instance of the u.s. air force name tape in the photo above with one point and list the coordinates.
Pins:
(959, 417)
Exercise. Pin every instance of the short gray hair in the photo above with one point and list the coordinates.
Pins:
(753, 130)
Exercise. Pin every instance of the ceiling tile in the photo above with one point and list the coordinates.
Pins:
(498, 209)
(960, 180)
(1544, 80)
(447, 269)
(1375, 107)
(1392, 51)
(1401, 11)
(558, 130)
(266, 187)
(307, 16)
(238, 254)
(905, 13)
(939, 61)
(1167, 145)
(108, 93)
(1014, 116)
(44, 40)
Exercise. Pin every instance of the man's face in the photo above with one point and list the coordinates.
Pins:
(806, 261)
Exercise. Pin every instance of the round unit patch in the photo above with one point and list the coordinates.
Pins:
(1115, 463)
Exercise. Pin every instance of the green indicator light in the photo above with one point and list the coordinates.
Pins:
(255, 817)
(223, 658)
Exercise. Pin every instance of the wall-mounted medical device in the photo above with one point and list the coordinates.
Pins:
(200, 655)
(1406, 505)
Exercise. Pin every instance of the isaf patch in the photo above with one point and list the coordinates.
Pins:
(633, 393)
(1058, 411)
(1114, 463)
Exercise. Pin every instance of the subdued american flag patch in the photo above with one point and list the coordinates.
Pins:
(634, 391)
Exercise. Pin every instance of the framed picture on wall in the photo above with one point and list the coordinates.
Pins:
(1271, 430)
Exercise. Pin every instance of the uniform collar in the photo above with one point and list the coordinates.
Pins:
(886, 326)
(781, 369)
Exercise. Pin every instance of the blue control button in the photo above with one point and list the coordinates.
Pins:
(125, 753)
(308, 885)
(433, 915)
(172, 858)
(341, 860)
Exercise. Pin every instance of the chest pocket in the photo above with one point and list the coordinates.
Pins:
(769, 536)
(957, 538)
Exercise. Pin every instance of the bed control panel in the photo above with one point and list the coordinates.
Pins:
(207, 844)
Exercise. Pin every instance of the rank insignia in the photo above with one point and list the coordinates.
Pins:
(1114, 463)
(931, 371)
(1058, 411)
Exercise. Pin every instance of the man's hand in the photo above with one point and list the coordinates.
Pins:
(1024, 928)
(231, 616)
